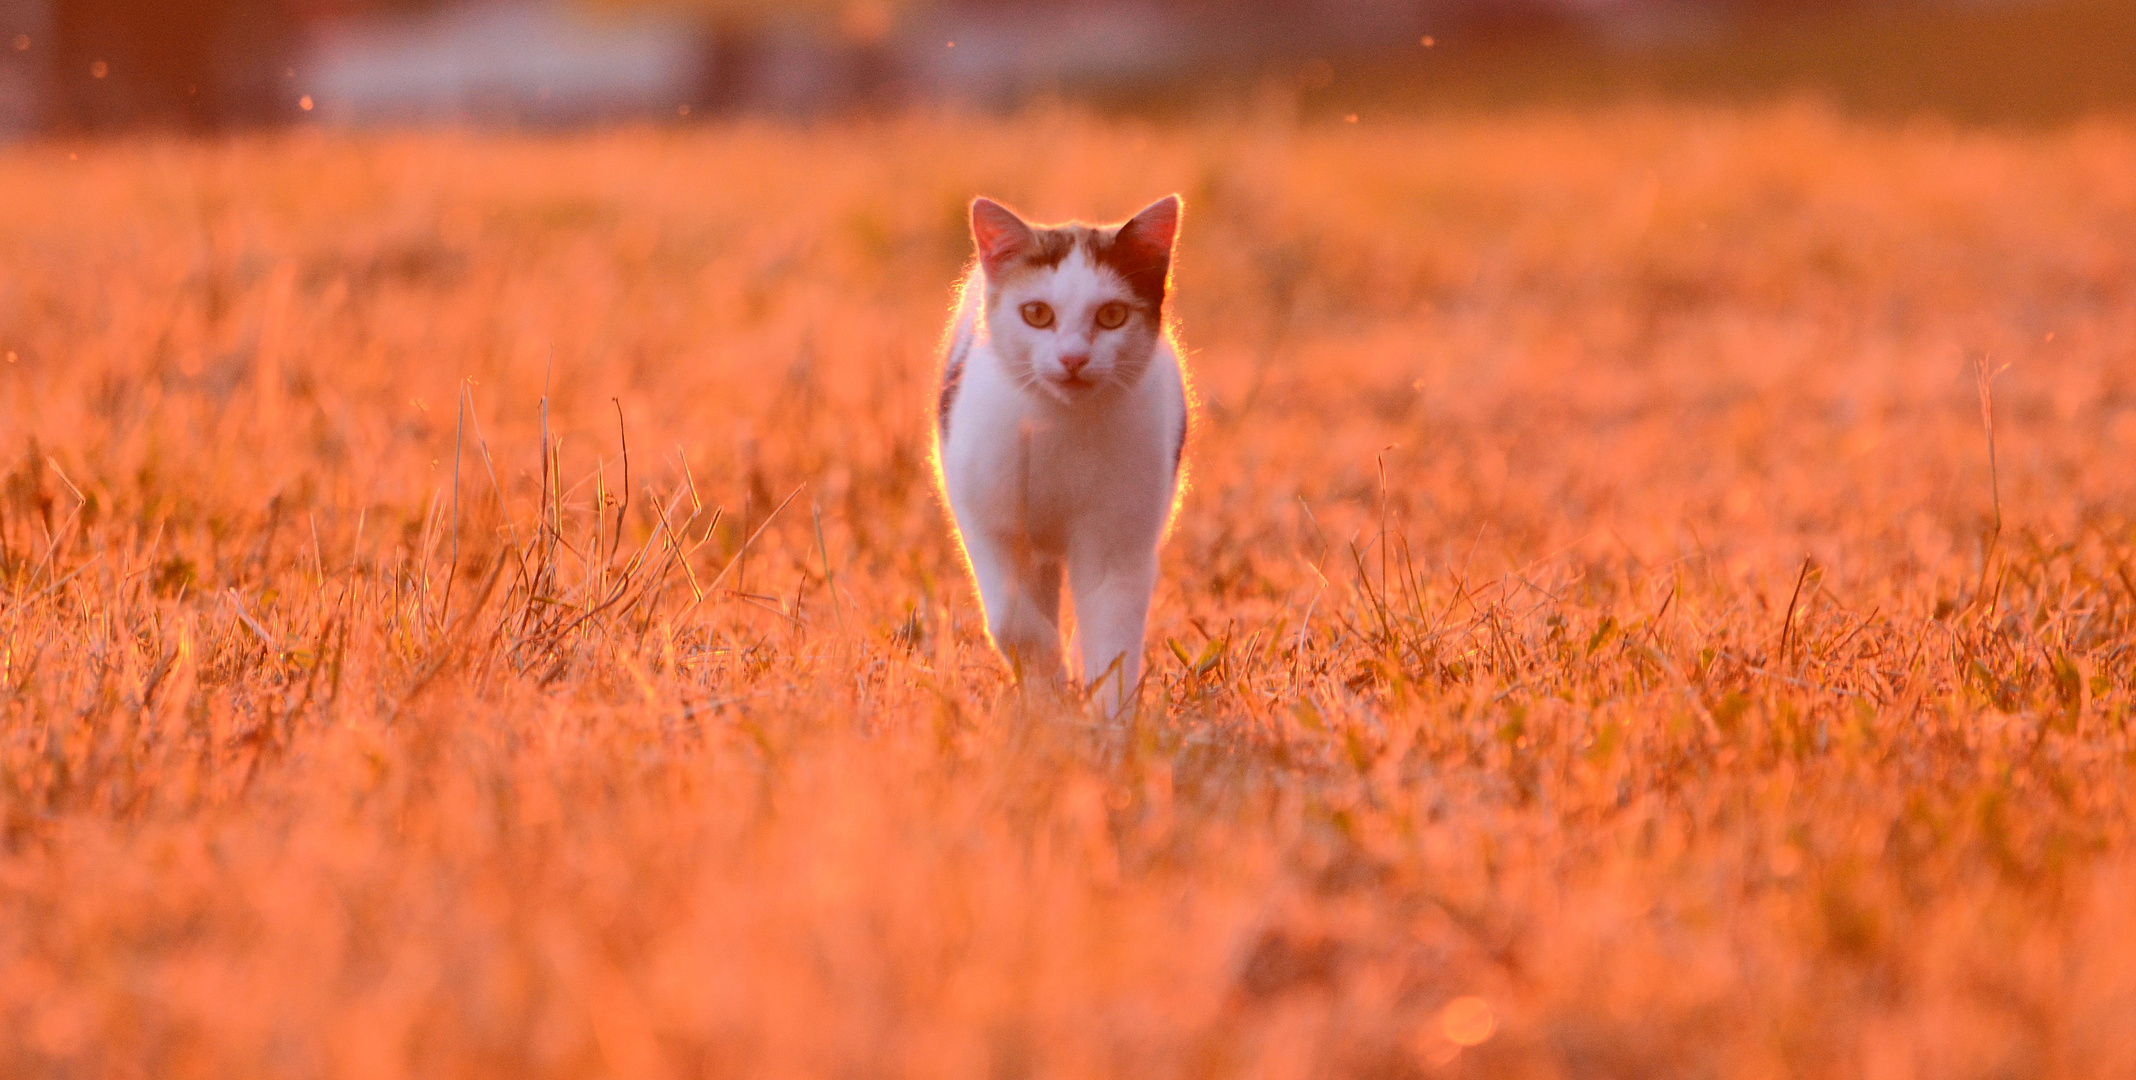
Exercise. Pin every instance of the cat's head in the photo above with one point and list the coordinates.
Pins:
(1075, 309)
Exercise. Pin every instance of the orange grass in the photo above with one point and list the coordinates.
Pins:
(1586, 650)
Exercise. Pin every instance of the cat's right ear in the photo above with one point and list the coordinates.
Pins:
(998, 233)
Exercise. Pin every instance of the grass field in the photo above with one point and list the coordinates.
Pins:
(1598, 641)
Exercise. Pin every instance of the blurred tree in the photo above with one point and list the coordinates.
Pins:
(198, 64)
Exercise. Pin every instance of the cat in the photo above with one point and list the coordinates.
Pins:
(1061, 425)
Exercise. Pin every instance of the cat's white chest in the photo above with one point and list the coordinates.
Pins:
(1054, 495)
(1029, 472)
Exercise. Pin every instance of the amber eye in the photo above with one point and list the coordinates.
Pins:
(1112, 316)
(1039, 314)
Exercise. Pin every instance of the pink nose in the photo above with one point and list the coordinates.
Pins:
(1074, 365)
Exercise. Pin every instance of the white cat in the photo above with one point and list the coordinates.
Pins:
(1062, 419)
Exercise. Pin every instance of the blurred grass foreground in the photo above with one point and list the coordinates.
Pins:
(476, 606)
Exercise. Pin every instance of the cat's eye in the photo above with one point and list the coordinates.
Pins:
(1112, 316)
(1039, 314)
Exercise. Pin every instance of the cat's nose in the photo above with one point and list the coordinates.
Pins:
(1075, 364)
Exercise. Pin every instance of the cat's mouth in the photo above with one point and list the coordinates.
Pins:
(1072, 384)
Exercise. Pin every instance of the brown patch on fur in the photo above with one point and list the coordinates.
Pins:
(1140, 250)
(1145, 278)
(952, 377)
(1049, 247)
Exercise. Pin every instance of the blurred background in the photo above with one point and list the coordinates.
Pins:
(74, 66)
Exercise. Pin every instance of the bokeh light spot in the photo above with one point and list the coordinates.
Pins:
(1467, 1021)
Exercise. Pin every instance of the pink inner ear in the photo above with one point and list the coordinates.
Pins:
(997, 231)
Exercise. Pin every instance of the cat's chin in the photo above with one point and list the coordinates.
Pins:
(1070, 391)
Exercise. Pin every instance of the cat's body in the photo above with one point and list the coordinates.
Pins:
(1062, 418)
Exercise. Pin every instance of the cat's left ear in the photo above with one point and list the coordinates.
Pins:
(1149, 235)
(1142, 250)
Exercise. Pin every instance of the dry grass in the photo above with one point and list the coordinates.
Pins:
(1588, 602)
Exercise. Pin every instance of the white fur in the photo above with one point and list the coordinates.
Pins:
(1044, 477)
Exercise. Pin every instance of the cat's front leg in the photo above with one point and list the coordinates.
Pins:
(1021, 592)
(1112, 607)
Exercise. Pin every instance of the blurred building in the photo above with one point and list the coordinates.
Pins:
(521, 62)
